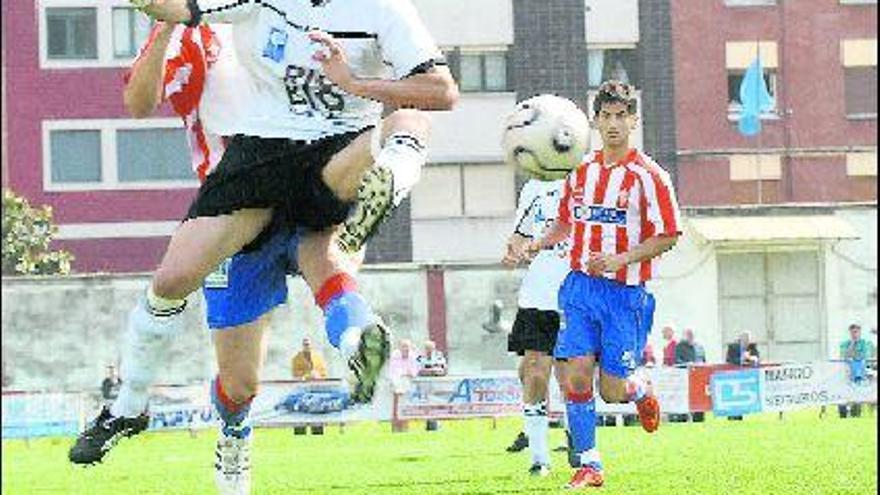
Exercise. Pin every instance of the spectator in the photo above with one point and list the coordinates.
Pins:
(431, 362)
(110, 385)
(403, 367)
(669, 348)
(308, 364)
(743, 352)
(855, 351)
(686, 352)
(648, 358)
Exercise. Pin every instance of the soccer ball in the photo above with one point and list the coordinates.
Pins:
(546, 136)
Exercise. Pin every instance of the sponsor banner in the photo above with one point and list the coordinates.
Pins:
(325, 401)
(788, 387)
(670, 384)
(461, 397)
(736, 392)
(796, 386)
(699, 392)
(184, 407)
(28, 415)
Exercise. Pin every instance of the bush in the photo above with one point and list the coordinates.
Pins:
(27, 232)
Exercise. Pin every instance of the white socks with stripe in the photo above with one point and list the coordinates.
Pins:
(537, 429)
(150, 330)
(404, 155)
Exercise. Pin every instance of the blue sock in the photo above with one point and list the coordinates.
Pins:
(343, 307)
(581, 411)
(232, 414)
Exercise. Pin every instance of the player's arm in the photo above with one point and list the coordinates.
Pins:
(558, 232)
(522, 227)
(143, 91)
(650, 248)
(430, 89)
(193, 12)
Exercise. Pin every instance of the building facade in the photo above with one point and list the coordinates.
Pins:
(781, 238)
(118, 186)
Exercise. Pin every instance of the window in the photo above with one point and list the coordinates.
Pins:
(860, 77)
(619, 64)
(858, 2)
(130, 30)
(72, 33)
(739, 56)
(76, 156)
(472, 190)
(90, 33)
(83, 155)
(479, 71)
(152, 154)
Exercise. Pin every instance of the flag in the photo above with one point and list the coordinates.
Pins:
(755, 99)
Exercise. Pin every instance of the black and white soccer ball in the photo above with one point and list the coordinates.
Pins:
(546, 136)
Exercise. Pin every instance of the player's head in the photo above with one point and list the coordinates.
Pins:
(615, 110)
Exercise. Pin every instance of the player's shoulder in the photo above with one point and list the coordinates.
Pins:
(643, 162)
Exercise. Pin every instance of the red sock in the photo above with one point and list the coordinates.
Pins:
(337, 284)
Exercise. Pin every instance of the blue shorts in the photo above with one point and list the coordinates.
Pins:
(606, 319)
(250, 284)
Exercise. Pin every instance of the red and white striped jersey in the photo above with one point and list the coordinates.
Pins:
(191, 52)
(614, 208)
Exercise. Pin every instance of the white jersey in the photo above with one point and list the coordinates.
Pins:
(288, 94)
(536, 210)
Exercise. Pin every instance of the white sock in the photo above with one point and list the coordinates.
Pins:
(537, 429)
(147, 338)
(405, 155)
(349, 342)
(590, 457)
(636, 387)
(160, 306)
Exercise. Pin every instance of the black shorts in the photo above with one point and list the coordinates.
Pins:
(276, 173)
(533, 330)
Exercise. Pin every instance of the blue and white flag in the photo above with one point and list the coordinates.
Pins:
(755, 99)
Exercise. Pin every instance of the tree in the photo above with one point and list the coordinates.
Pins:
(27, 232)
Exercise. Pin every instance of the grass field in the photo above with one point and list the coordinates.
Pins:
(801, 454)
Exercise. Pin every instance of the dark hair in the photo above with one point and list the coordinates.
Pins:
(612, 91)
(854, 326)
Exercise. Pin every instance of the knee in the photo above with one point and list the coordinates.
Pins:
(612, 393)
(170, 283)
(535, 373)
(408, 120)
(241, 388)
(578, 385)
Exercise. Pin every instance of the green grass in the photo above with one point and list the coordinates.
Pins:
(801, 454)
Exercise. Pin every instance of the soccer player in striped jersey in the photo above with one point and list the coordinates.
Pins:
(535, 329)
(619, 212)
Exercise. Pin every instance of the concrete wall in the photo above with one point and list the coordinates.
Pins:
(61, 332)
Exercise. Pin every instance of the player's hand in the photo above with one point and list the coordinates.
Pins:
(600, 263)
(333, 60)
(515, 251)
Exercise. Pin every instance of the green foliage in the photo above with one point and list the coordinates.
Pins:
(761, 455)
(27, 232)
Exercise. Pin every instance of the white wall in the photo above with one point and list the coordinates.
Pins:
(460, 239)
(612, 23)
(471, 132)
(468, 22)
(851, 278)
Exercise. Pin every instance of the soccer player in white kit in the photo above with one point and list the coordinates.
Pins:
(537, 319)
(300, 143)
